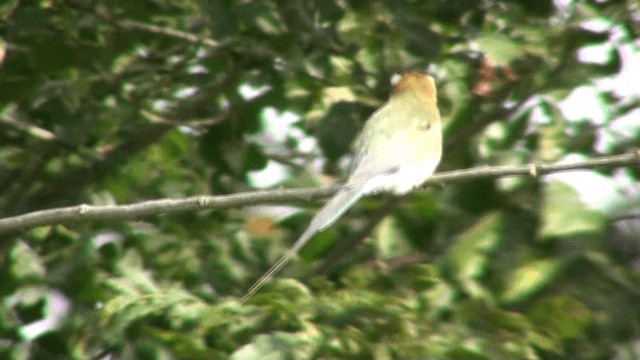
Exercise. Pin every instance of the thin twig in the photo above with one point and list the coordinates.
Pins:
(173, 33)
(128, 24)
(154, 207)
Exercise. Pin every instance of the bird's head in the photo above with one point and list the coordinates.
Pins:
(416, 82)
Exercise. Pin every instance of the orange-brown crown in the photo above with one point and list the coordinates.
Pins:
(415, 81)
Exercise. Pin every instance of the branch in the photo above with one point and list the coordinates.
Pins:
(128, 24)
(154, 207)
(535, 169)
(172, 33)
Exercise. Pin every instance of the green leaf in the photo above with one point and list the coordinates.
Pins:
(529, 278)
(277, 346)
(391, 240)
(563, 214)
(500, 49)
(26, 264)
(563, 317)
(253, 158)
(470, 255)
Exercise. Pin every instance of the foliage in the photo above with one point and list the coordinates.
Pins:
(121, 101)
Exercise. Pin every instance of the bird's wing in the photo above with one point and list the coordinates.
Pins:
(401, 135)
(380, 145)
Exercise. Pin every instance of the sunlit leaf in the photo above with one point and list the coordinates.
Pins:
(563, 214)
(529, 278)
(470, 255)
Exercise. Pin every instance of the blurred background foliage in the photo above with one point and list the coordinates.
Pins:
(107, 102)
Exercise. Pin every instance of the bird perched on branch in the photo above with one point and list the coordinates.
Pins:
(398, 149)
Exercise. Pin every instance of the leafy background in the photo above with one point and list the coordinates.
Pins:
(121, 101)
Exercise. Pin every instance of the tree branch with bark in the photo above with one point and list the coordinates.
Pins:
(86, 212)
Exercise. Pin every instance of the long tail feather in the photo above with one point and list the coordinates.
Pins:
(329, 213)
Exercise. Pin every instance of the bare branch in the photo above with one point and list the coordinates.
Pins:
(154, 207)
(536, 169)
(8, 117)
(129, 24)
(173, 33)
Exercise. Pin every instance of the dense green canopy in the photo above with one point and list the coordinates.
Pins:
(116, 102)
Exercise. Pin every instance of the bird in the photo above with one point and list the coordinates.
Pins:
(398, 149)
